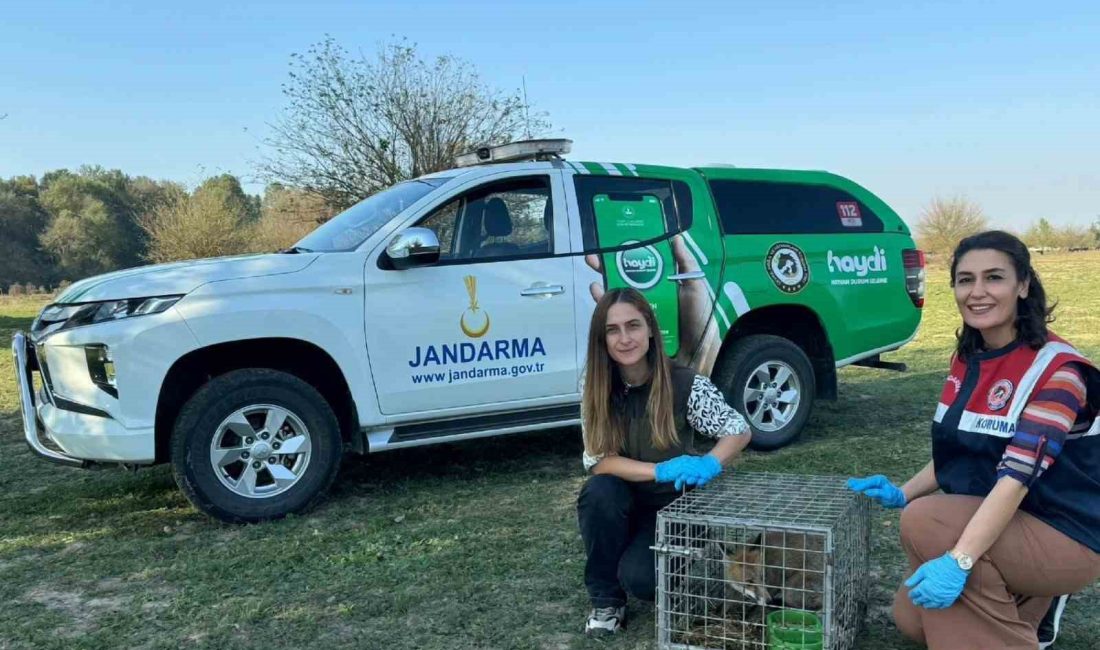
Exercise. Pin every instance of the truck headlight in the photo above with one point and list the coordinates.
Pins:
(55, 318)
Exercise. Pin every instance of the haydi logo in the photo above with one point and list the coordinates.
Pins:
(640, 267)
(647, 263)
(861, 265)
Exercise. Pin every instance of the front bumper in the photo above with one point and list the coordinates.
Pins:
(79, 439)
(31, 431)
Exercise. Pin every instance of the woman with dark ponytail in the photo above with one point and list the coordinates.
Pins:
(1016, 454)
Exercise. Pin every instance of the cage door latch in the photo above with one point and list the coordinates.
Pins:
(669, 549)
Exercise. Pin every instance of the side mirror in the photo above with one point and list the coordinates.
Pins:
(413, 247)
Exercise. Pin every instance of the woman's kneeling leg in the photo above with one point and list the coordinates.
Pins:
(603, 512)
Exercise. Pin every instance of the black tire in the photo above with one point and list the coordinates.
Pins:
(252, 393)
(733, 377)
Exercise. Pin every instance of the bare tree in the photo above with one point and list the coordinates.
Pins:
(945, 221)
(356, 126)
(1042, 234)
(286, 215)
(1075, 237)
(206, 223)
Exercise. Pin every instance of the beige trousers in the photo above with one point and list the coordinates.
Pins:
(1010, 587)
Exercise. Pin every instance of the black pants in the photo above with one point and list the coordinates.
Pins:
(618, 525)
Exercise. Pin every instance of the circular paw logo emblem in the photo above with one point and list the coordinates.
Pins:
(1000, 394)
(787, 267)
(640, 268)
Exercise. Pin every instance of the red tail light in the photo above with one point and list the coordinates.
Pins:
(913, 261)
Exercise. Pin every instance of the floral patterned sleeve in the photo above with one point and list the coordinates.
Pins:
(709, 414)
(588, 459)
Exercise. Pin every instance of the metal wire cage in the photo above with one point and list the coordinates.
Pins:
(760, 560)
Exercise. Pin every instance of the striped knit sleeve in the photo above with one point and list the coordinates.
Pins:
(1043, 425)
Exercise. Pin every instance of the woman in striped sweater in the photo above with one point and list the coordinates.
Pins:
(1016, 453)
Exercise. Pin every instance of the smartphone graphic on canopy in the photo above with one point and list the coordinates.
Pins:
(632, 219)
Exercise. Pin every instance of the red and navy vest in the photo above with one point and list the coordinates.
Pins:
(976, 418)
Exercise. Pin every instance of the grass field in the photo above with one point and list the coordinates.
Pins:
(471, 545)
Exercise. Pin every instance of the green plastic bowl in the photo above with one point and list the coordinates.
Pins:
(794, 629)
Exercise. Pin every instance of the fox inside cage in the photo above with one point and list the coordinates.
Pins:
(757, 560)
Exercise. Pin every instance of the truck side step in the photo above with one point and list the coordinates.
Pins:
(877, 362)
(463, 426)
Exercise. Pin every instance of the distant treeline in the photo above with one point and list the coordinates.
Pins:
(70, 225)
(945, 221)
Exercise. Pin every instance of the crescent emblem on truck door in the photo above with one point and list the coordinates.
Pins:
(479, 317)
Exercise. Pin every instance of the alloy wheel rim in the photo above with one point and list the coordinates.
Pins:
(260, 451)
(771, 396)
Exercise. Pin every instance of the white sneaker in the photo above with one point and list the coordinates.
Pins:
(605, 620)
(1049, 626)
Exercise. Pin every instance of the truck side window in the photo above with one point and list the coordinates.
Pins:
(442, 222)
(674, 196)
(763, 207)
(504, 220)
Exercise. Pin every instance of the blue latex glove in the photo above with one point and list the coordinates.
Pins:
(937, 583)
(879, 488)
(671, 470)
(699, 470)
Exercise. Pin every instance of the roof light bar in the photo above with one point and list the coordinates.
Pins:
(552, 149)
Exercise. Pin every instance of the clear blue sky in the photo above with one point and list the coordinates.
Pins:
(997, 101)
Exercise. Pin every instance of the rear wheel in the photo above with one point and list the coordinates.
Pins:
(254, 445)
(770, 381)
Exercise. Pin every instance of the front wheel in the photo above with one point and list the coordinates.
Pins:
(254, 445)
(770, 381)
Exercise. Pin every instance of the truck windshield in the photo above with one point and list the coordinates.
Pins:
(347, 230)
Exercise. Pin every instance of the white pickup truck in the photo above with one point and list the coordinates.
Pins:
(448, 307)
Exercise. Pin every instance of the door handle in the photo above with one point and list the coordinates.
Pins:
(543, 290)
(694, 275)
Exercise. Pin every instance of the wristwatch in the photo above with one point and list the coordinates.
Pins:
(964, 561)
